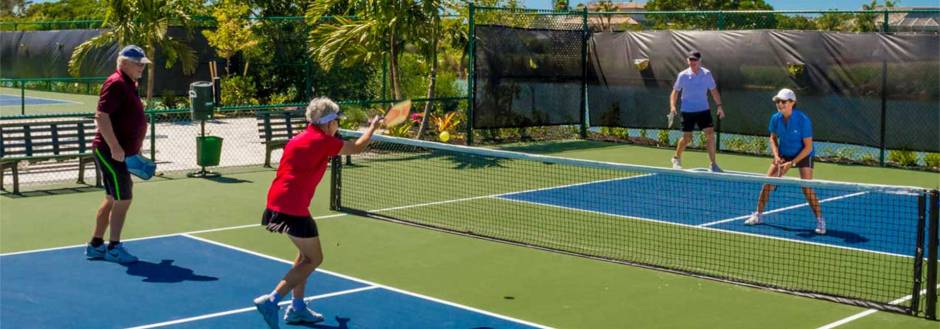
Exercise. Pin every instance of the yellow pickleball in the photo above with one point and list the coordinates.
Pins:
(444, 136)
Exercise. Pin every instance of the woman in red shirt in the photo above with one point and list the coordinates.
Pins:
(301, 168)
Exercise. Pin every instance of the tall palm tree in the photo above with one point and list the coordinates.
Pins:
(145, 23)
(380, 30)
(430, 9)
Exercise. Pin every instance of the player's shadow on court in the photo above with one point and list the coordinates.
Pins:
(847, 237)
(164, 272)
(343, 324)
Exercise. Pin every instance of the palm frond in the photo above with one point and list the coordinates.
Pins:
(78, 56)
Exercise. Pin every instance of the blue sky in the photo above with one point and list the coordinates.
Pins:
(780, 4)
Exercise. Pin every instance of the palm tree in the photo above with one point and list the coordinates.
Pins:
(379, 30)
(431, 9)
(145, 23)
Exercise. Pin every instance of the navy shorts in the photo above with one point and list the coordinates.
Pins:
(702, 119)
(807, 162)
(295, 226)
(114, 175)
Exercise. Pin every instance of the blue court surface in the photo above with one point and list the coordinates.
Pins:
(10, 100)
(187, 282)
(867, 221)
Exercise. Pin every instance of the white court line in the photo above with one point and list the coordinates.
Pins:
(498, 195)
(63, 101)
(324, 217)
(785, 208)
(160, 236)
(869, 312)
(247, 309)
(667, 222)
(370, 283)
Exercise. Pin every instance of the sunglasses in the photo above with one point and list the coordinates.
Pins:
(781, 101)
(693, 59)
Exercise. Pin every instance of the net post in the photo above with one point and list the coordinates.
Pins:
(471, 76)
(919, 252)
(336, 164)
(930, 310)
(585, 32)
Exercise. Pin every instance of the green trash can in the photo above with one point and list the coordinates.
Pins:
(208, 151)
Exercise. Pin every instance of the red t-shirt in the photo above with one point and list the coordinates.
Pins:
(302, 166)
(120, 101)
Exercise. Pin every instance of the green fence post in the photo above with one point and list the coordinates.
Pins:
(471, 61)
(884, 101)
(721, 20)
(308, 69)
(884, 25)
(153, 138)
(22, 97)
(585, 32)
(721, 24)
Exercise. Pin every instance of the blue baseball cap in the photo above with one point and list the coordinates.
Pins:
(330, 117)
(135, 53)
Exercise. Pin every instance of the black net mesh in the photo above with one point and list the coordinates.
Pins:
(630, 214)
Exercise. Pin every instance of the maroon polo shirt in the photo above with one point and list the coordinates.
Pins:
(119, 99)
(302, 167)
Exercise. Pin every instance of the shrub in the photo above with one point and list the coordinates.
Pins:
(903, 157)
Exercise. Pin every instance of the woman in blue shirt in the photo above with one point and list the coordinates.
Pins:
(791, 140)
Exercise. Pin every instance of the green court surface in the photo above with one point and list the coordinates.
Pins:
(547, 288)
(67, 103)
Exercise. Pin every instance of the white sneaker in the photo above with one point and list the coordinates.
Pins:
(820, 226)
(676, 163)
(753, 220)
(307, 315)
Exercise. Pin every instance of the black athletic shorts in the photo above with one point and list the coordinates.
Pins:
(807, 162)
(114, 175)
(702, 119)
(295, 226)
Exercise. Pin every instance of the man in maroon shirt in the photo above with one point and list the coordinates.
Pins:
(288, 207)
(121, 130)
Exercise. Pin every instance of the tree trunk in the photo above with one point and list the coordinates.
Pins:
(151, 70)
(432, 77)
(393, 67)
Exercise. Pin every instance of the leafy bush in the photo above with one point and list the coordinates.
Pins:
(903, 157)
(355, 117)
(288, 96)
(447, 122)
(663, 137)
(238, 91)
(932, 160)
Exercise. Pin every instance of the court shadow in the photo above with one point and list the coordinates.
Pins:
(558, 147)
(847, 237)
(343, 324)
(51, 192)
(164, 272)
(228, 180)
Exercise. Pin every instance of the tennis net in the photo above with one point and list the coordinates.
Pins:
(691, 222)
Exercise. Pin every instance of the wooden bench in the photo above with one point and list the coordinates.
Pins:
(275, 128)
(46, 139)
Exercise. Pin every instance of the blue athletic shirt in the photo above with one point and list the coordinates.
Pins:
(694, 88)
(790, 133)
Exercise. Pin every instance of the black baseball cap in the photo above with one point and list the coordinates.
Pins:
(694, 54)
